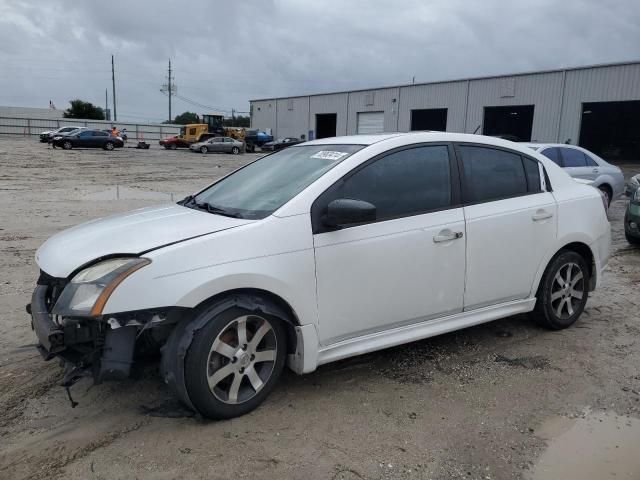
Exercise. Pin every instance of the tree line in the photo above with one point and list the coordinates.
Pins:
(86, 110)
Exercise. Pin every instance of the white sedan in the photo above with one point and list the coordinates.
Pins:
(321, 251)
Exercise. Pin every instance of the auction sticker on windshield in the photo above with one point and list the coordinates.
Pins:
(329, 155)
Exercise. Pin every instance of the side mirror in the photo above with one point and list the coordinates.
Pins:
(344, 211)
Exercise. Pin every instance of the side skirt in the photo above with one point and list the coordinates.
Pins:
(410, 333)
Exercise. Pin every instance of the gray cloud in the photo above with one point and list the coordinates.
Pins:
(227, 53)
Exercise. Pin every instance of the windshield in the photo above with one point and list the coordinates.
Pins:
(263, 186)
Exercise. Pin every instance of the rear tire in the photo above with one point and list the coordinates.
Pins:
(607, 193)
(235, 150)
(563, 291)
(234, 362)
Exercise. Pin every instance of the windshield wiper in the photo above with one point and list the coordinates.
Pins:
(187, 200)
(217, 210)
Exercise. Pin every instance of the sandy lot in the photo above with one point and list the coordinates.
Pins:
(503, 400)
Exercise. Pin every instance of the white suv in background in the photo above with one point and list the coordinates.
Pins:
(318, 252)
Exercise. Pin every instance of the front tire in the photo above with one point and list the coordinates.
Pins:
(67, 145)
(173, 146)
(109, 146)
(234, 362)
(631, 239)
(563, 291)
(204, 150)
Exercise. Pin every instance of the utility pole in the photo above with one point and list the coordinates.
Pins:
(233, 117)
(169, 90)
(113, 82)
(106, 104)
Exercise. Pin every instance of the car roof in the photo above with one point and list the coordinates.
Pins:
(547, 145)
(422, 136)
(355, 139)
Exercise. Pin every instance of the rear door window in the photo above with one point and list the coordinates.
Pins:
(591, 162)
(553, 154)
(532, 170)
(491, 174)
(573, 158)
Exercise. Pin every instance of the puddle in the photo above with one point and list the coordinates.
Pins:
(118, 192)
(598, 446)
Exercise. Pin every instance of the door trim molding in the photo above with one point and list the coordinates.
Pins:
(430, 328)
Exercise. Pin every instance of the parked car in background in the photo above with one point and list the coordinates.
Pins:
(172, 143)
(581, 163)
(281, 143)
(48, 135)
(88, 139)
(255, 138)
(319, 252)
(632, 219)
(218, 144)
(632, 185)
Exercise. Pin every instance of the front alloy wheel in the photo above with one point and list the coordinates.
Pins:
(234, 362)
(563, 291)
(109, 146)
(67, 145)
(204, 150)
(239, 367)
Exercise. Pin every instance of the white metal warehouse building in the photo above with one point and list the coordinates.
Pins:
(597, 107)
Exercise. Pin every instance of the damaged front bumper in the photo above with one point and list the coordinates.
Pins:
(98, 347)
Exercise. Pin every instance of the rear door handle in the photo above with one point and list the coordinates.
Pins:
(541, 215)
(447, 236)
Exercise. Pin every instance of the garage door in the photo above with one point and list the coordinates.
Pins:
(370, 122)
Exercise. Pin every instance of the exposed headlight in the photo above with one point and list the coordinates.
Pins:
(57, 138)
(89, 289)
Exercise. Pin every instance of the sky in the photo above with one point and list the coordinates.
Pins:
(225, 53)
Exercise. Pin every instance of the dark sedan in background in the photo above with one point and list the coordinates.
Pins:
(281, 143)
(88, 139)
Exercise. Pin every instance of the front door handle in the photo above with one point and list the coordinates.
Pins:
(541, 215)
(595, 170)
(446, 236)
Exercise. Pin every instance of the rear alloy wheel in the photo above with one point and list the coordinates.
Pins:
(234, 362)
(67, 145)
(109, 146)
(204, 150)
(235, 150)
(563, 291)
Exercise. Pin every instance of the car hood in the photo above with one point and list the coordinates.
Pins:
(130, 233)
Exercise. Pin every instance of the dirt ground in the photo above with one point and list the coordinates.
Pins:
(497, 401)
